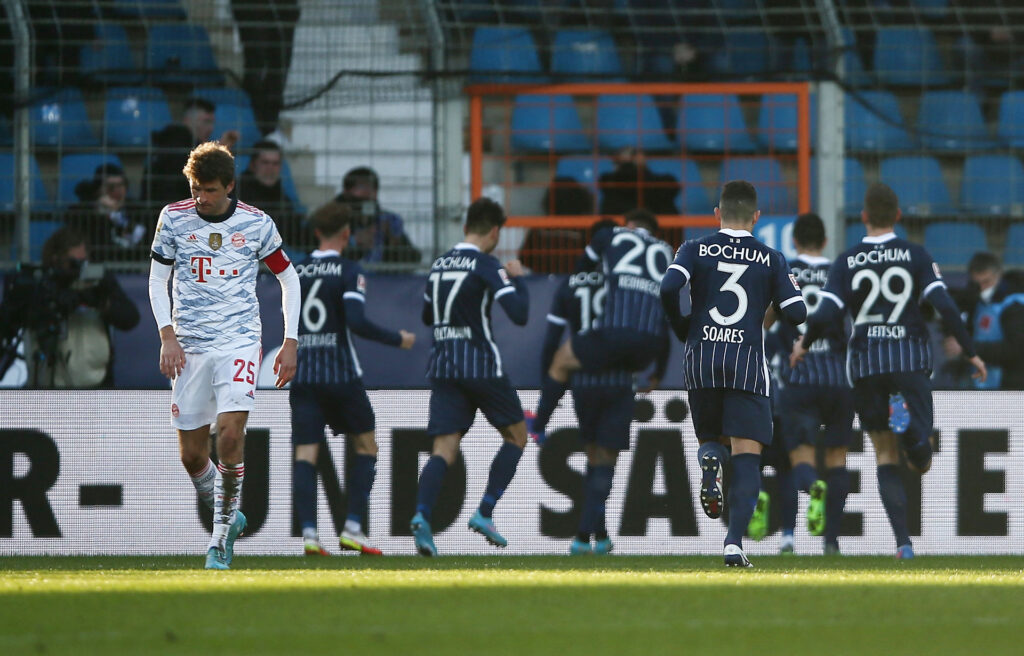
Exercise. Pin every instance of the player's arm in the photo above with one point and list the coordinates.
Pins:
(599, 243)
(355, 316)
(939, 297)
(291, 302)
(172, 356)
(787, 300)
(557, 323)
(676, 277)
(660, 364)
(510, 291)
(830, 310)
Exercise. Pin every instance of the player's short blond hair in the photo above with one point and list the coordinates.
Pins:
(210, 161)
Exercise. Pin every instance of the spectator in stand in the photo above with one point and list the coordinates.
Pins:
(377, 234)
(994, 305)
(198, 116)
(994, 47)
(260, 185)
(106, 218)
(634, 186)
(551, 250)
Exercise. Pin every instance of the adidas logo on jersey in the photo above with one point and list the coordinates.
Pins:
(192, 237)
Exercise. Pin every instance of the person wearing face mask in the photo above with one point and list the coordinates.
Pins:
(106, 217)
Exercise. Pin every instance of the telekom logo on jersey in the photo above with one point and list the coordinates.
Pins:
(202, 268)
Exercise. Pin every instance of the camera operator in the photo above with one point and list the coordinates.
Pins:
(63, 310)
(377, 234)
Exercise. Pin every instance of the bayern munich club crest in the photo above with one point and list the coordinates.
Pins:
(174, 410)
(215, 240)
(238, 240)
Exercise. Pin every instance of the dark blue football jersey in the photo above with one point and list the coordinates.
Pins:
(463, 285)
(325, 352)
(881, 283)
(634, 263)
(733, 279)
(825, 363)
(578, 305)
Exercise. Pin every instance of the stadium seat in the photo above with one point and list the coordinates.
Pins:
(854, 185)
(585, 170)
(541, 123)
(694, 197)
(993, 184)
(630, 121)
(853, 68)
(234, 112)
(743, 53)
(777, 121)
(951, 120)
(856, 231)
(133, 113)
(504, 54)
(774, 195)
(919, 185)
(39, 230)
(6, 137)
(908, 56)
(108, 59)
(875, 123)
(180, 53)
(149, 8)
(287, 181)
(1014, 253)
(952, 243)
(713, 123)
(38, 196)
(59, 118)
(1011, 118)
(585, 55)
(76, 168)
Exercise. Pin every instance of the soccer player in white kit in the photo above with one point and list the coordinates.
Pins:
(210, 346)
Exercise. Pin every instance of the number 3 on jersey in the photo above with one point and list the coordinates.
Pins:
(437, 278)
(732, 286)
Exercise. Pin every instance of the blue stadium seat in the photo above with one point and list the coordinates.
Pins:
(180, 53)
(133, 113)
(541, 123)
(854, 185)
(630, 121)
(853, 68)
(1011, 118)
(60, 119)
(149, 8)
(856, 231)
(694, 197)
(743, 54)
(908, 56)
(287, 181)
(37, 190)
(585, 55)
(504, 54)
(108, 59)
(39, 230)
(774, 195)
(875, 124)
(234, 112)
(951, 120)
(585, 170)
(713, 123)
(919, 185)
(76, 168)
(951, 243)
(6, 137)
(777, 121)
(993, 184)
(1014, 253)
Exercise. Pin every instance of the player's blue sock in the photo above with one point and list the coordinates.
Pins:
(715, 449)
(551, 392)
(838, 479)
(363, 473)
(503, 468)
(304, 489)
(744, 486)
(804, 476)
(430, 485)
(598, 487)
(788, 503)
(894, 498)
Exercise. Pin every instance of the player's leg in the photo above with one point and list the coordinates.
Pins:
(837, 436)
(605, 417)
(192, 411)
(194, 446)
(498, 400)
(363, 472)
(712, 454)
(308, 423)
(747, 420)
(915, 388)
(554, 382)
(600, 475)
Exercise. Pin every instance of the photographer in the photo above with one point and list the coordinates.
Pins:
(63, 310)
(107, 218)
(377, 234)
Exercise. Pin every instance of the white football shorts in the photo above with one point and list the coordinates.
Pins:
(212, 383)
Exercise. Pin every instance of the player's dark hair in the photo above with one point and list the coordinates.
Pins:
(210, 161)
(881, 205)
(643, 218)
(738, 201)
(809, 231)
(196, 102)
(983, 262)
(483, 215)
(602, 224)
(360, 175)
(331, 219)
(56, 247)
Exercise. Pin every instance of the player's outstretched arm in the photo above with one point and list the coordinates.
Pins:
(360, 324)
(943, 303)
(675, 279)
(515, 299)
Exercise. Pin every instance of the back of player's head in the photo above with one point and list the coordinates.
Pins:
(331, 219)
(483, 215)
(809, 231)
(881, 206)
(738, 202)
(210, 161)
(983, 262)
(642, 218)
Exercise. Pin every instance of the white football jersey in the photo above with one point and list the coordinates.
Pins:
(215, 265)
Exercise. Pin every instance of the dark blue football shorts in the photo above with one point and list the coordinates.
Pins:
(725, 412)
(806, 408)
(454, 402)
(615, 348)
(604, 415)
(871, 399)
(342, 406)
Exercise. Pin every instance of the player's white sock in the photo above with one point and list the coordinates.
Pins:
(204, 483)
(310, 533)
(227, 492)
(353, 526)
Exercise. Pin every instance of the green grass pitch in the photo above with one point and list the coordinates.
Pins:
(512, 605)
